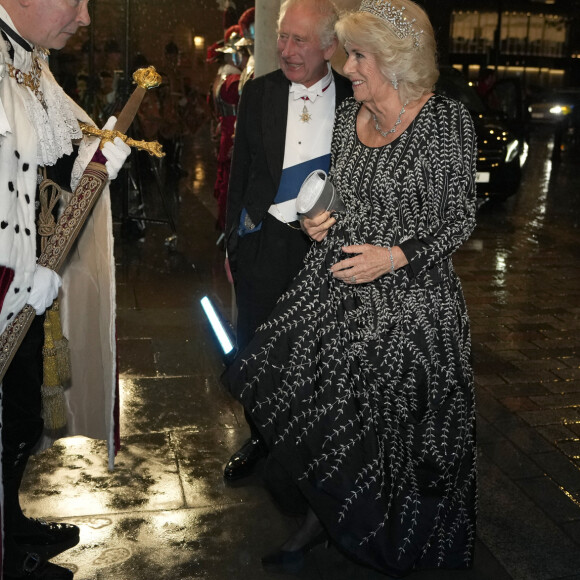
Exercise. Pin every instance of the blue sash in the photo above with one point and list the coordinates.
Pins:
(290, 183)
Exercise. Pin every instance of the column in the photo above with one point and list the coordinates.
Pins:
(266, 25)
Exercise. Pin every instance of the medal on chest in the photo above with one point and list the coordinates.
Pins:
(305, 116)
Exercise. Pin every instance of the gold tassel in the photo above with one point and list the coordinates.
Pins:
(56, 354)
(53, 403)
(60, 343)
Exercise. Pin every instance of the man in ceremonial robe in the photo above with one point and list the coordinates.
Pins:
(39, 125)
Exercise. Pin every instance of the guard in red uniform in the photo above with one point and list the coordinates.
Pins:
(225, 98)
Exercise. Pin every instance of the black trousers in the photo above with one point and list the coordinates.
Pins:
(21, 415)
(267, 262)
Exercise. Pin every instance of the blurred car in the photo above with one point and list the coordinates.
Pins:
(555, 106)
(501, 127)
(559, 109)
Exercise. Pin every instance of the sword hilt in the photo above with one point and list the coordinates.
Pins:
(105, 135)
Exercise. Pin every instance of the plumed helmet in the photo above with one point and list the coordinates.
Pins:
(246, 23)
(232, 35)
(212, 53)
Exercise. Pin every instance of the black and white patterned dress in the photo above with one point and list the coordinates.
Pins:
(365, 392)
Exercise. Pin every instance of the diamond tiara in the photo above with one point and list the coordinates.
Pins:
(401, 26)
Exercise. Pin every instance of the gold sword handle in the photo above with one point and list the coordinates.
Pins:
(152, 147)
(147, 78)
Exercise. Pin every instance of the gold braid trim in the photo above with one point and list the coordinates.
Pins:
(50, 193)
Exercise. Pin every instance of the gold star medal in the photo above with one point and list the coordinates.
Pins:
(305, 115)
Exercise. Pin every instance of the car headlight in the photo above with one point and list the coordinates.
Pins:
(560, 110)
(511, 151)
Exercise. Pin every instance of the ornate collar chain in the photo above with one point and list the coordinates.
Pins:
(30, 79)
(397, 122)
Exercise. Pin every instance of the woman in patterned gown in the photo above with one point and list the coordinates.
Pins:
(361, 380)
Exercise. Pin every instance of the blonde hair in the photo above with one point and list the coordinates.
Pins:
(328, 17)
(412, 64)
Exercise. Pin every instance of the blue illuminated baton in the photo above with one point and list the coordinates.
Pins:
(220, 328)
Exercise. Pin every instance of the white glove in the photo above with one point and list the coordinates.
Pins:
(110, 124)
(87, 149)
(45, 285)
(116, 153)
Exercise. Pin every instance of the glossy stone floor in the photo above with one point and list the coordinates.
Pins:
(165, 513)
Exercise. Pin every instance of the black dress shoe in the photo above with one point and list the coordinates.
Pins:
(34, 568)
(291, 562)
(47, 539)
(243, 461)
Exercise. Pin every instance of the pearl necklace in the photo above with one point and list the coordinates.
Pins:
(397, 122)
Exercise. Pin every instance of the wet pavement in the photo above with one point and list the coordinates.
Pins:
(165, 512)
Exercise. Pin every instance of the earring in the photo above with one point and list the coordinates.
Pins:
(394, 81)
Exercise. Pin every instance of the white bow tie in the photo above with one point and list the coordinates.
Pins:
(301, 92)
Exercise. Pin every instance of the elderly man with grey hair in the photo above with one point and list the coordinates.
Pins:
(284, 130)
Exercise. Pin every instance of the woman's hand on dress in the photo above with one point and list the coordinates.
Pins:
(368, 263)
(317, 227)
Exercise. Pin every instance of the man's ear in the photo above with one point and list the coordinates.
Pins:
(329, 51)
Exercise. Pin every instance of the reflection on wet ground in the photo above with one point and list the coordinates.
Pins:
(165, 512)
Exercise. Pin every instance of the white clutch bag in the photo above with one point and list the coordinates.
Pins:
(317, 194)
